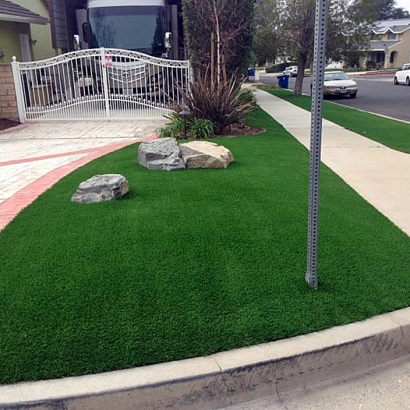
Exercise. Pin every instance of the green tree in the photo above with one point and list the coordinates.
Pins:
(347, 33)
(265, 45)
(298, 29)
(389, 10)
(372, 10)
(266, 36)
(219, 35)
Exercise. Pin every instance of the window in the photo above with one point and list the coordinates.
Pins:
(137, 28)
(391, 36)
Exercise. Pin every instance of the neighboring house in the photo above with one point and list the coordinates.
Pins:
(390, 46)
(41, 34)
(16, 31)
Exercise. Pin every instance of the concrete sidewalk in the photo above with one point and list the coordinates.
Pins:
(379, 174)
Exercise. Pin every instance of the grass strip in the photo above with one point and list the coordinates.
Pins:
(389, 132)
(189, 263)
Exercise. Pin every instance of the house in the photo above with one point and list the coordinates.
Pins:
(24, 32)
(390, 45)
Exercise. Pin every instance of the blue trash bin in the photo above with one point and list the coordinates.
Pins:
(251, 72)
(283, 81)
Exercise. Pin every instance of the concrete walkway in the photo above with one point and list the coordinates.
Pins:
(36, 153)
(379, 174)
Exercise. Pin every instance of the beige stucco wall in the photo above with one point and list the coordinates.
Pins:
(10, 39)
(403, 49)
(42, 48)
(8, 104)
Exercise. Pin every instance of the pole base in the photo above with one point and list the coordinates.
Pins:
(311, 280)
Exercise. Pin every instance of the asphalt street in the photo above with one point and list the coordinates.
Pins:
(377, 94)
(385, 387)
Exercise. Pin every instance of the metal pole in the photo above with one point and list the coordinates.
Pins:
(105, 82)
(319, 59)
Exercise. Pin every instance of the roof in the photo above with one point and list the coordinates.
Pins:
(10, 11)
(382, 45)
(395, 26)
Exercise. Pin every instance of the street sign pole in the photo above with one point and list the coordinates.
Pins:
(319, 60)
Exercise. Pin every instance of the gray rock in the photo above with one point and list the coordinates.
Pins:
(203, 154)
(100, 188)
(162, 153)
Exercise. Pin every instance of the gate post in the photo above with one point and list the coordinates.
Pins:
(105, 83)
(19, 90)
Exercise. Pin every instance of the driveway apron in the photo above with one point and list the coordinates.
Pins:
(34, 156)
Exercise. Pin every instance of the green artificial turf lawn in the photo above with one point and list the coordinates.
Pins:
(391, 133)
(189, 263)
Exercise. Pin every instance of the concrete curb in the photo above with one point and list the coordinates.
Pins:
(387, 72)
(225, 378)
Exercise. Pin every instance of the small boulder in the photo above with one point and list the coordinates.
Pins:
(162, 153)
(100, 188)
(203, 154)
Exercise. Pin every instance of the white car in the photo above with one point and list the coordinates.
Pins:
(339, 83)
(402, 76)
(291, 71)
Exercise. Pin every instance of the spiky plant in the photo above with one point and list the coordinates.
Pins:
(222, 102)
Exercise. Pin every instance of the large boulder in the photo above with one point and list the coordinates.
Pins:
(100, 188)
(162, 153)
(202, 154)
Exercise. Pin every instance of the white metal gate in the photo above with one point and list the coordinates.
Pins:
(99, 84)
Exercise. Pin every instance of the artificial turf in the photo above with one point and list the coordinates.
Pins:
(189, 262)
(389, 132)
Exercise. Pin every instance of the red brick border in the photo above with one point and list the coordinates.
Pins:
(12, 206)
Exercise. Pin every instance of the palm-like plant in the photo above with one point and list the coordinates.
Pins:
(222, 102)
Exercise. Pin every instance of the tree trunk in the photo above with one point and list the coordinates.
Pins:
(218, 46)
(297, 90)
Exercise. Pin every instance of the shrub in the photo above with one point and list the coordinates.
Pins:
(200, 128)
(370, 65)
(176, 127)
(248, 96)
(194, 128)
(223, 103)
(279, 67)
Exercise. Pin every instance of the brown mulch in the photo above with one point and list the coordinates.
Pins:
(5, 123)
(237, 130)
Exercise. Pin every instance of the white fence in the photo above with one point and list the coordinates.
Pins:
(99, 84)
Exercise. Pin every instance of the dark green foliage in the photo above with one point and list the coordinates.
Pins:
(248, 96)
(175, 128)
(379, 10)
(189, 263)
(181, 127)
(280, 67)
(264, 47)
(200, 128)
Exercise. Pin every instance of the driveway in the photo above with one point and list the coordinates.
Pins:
(34, 156)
